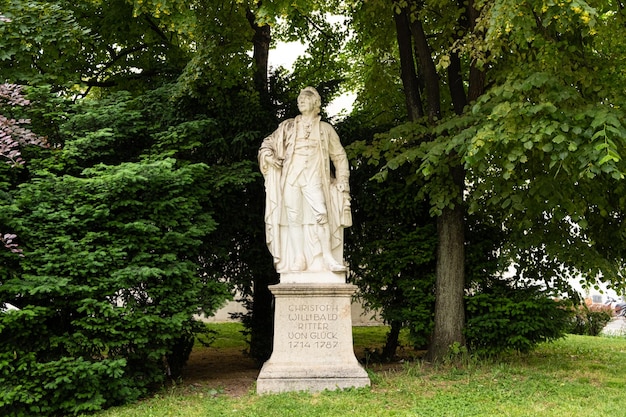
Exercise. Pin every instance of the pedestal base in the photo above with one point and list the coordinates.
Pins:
(318, 277)
(313, 348)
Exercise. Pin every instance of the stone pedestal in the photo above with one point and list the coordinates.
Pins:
(313, 348)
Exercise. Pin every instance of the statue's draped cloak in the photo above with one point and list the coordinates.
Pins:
(281, 144)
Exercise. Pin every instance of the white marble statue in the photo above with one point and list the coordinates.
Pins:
(307, 207)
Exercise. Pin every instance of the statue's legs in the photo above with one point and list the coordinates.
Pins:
(314, 196)
(293, 204)
(296, 236)
(311, 194)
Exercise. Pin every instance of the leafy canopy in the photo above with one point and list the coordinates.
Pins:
(542, 146)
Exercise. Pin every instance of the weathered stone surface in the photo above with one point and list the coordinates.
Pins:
(321, 277)
(307, 204)
(313, 347)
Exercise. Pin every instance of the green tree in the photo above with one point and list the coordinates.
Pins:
(117, 311)
(77, 46)
(115, 256)
(390, 248)
(514, 115)
(128, 50)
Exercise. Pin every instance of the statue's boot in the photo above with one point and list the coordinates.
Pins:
(331, 263)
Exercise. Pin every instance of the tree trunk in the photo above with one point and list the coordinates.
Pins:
(476, 84)
(476, 76)
(391, 346)
(450, 284)
(261, 42)
(407, 64)
(455, 83)
(455, 77)
(428, 70)
(261, 324)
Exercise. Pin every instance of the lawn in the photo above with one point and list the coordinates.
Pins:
(579, 375)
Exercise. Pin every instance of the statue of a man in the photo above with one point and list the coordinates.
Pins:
(306, 207)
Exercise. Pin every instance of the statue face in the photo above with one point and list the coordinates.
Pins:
(306, 103)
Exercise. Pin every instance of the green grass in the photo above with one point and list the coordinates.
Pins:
(579, 375)
(225, 336)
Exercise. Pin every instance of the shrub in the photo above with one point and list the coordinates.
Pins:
(502, 318)
(391, 252)
(107, 287)
(65, 386)
(590, 321)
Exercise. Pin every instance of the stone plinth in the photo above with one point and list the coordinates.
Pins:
(315, 277)
(313, 349)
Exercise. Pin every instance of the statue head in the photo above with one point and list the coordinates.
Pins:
(312, 94)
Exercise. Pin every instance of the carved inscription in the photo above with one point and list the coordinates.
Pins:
(313, 326)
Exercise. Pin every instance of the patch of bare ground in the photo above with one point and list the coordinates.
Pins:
(231, 372)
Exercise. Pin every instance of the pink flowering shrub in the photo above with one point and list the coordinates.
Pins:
(13, 134)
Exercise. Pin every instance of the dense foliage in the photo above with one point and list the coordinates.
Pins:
(391, 247)
(503, 318)
(144, 208)
(546, 131)
(512, 114)
(107, 286)
(114, 263)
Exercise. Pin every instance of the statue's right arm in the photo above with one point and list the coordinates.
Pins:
(267, 155)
